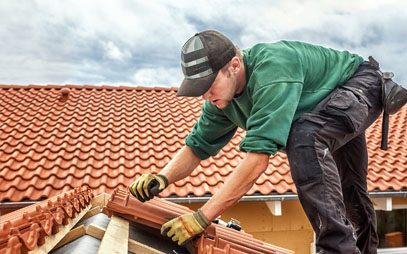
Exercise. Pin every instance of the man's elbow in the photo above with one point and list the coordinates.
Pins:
(260, 160)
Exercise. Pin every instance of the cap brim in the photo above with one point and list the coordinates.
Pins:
(196, 87)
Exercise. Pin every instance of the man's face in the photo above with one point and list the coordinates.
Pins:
(222, 90)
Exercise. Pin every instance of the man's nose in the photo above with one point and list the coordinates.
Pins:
(206, 95)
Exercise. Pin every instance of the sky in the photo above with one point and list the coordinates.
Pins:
(138, 42)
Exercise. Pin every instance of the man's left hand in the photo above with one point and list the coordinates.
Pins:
(184, 228)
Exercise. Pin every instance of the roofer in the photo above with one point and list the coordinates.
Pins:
(311, 102)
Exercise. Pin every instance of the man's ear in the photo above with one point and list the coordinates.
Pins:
(235, 64)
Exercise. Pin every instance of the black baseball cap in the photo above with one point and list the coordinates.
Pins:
(202, 56)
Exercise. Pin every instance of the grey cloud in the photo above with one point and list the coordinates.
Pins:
(138, 42)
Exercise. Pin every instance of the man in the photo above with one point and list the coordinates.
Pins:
(312, 102)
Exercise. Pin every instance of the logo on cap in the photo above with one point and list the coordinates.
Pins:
(194, 59)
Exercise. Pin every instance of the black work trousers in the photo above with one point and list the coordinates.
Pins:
(328, 157)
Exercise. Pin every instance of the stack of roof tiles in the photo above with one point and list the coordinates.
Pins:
(24, 230)
(54, 138)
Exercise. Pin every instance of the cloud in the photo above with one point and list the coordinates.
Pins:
(138, 42)
(358, 26)
(115, 53)
(167, 77)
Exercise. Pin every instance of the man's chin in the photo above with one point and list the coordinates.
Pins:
(223, 105)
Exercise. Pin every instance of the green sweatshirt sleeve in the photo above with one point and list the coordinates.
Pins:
(212, 131)
(270, 120)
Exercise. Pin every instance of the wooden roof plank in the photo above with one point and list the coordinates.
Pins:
(134, 246)
(96, 231)
(72, 235)
(137, 247)
(100, 200)
(92, 212)
(115, 239)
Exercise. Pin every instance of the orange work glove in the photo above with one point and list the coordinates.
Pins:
(184, 228)
(148, 186)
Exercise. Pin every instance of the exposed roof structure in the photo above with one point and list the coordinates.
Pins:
(216, 239)
(57, 225)
(54, 138)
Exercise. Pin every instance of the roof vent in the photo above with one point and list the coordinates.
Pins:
(64, 94)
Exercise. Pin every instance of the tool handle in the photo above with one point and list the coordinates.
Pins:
(385, 131)
(155, 189)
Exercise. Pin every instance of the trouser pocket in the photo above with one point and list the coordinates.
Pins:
(350, 109)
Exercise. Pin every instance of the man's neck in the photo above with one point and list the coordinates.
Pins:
(241, 80)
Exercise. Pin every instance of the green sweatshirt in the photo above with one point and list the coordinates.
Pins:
(283, 81)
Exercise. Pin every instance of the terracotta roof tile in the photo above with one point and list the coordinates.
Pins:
(105, 137)
(26, 229)
(216, 238)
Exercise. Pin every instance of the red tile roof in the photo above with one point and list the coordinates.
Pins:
(26, 229)
(54, 138)
(216, 238)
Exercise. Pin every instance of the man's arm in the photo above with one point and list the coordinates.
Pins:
(149, 185)
(181, 165)
(184, 228)
(238, 184)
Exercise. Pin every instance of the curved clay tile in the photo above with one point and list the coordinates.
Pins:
(108, 136)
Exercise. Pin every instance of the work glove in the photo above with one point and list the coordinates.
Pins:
(148, 186)
(184, 228)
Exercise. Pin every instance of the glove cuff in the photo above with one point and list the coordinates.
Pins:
(201, 219)
(164, 179)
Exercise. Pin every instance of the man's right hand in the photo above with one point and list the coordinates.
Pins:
(148, 186)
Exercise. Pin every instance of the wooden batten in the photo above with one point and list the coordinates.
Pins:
(115, 239)
(52, 240)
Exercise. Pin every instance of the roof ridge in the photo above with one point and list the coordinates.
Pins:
(106, 87)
